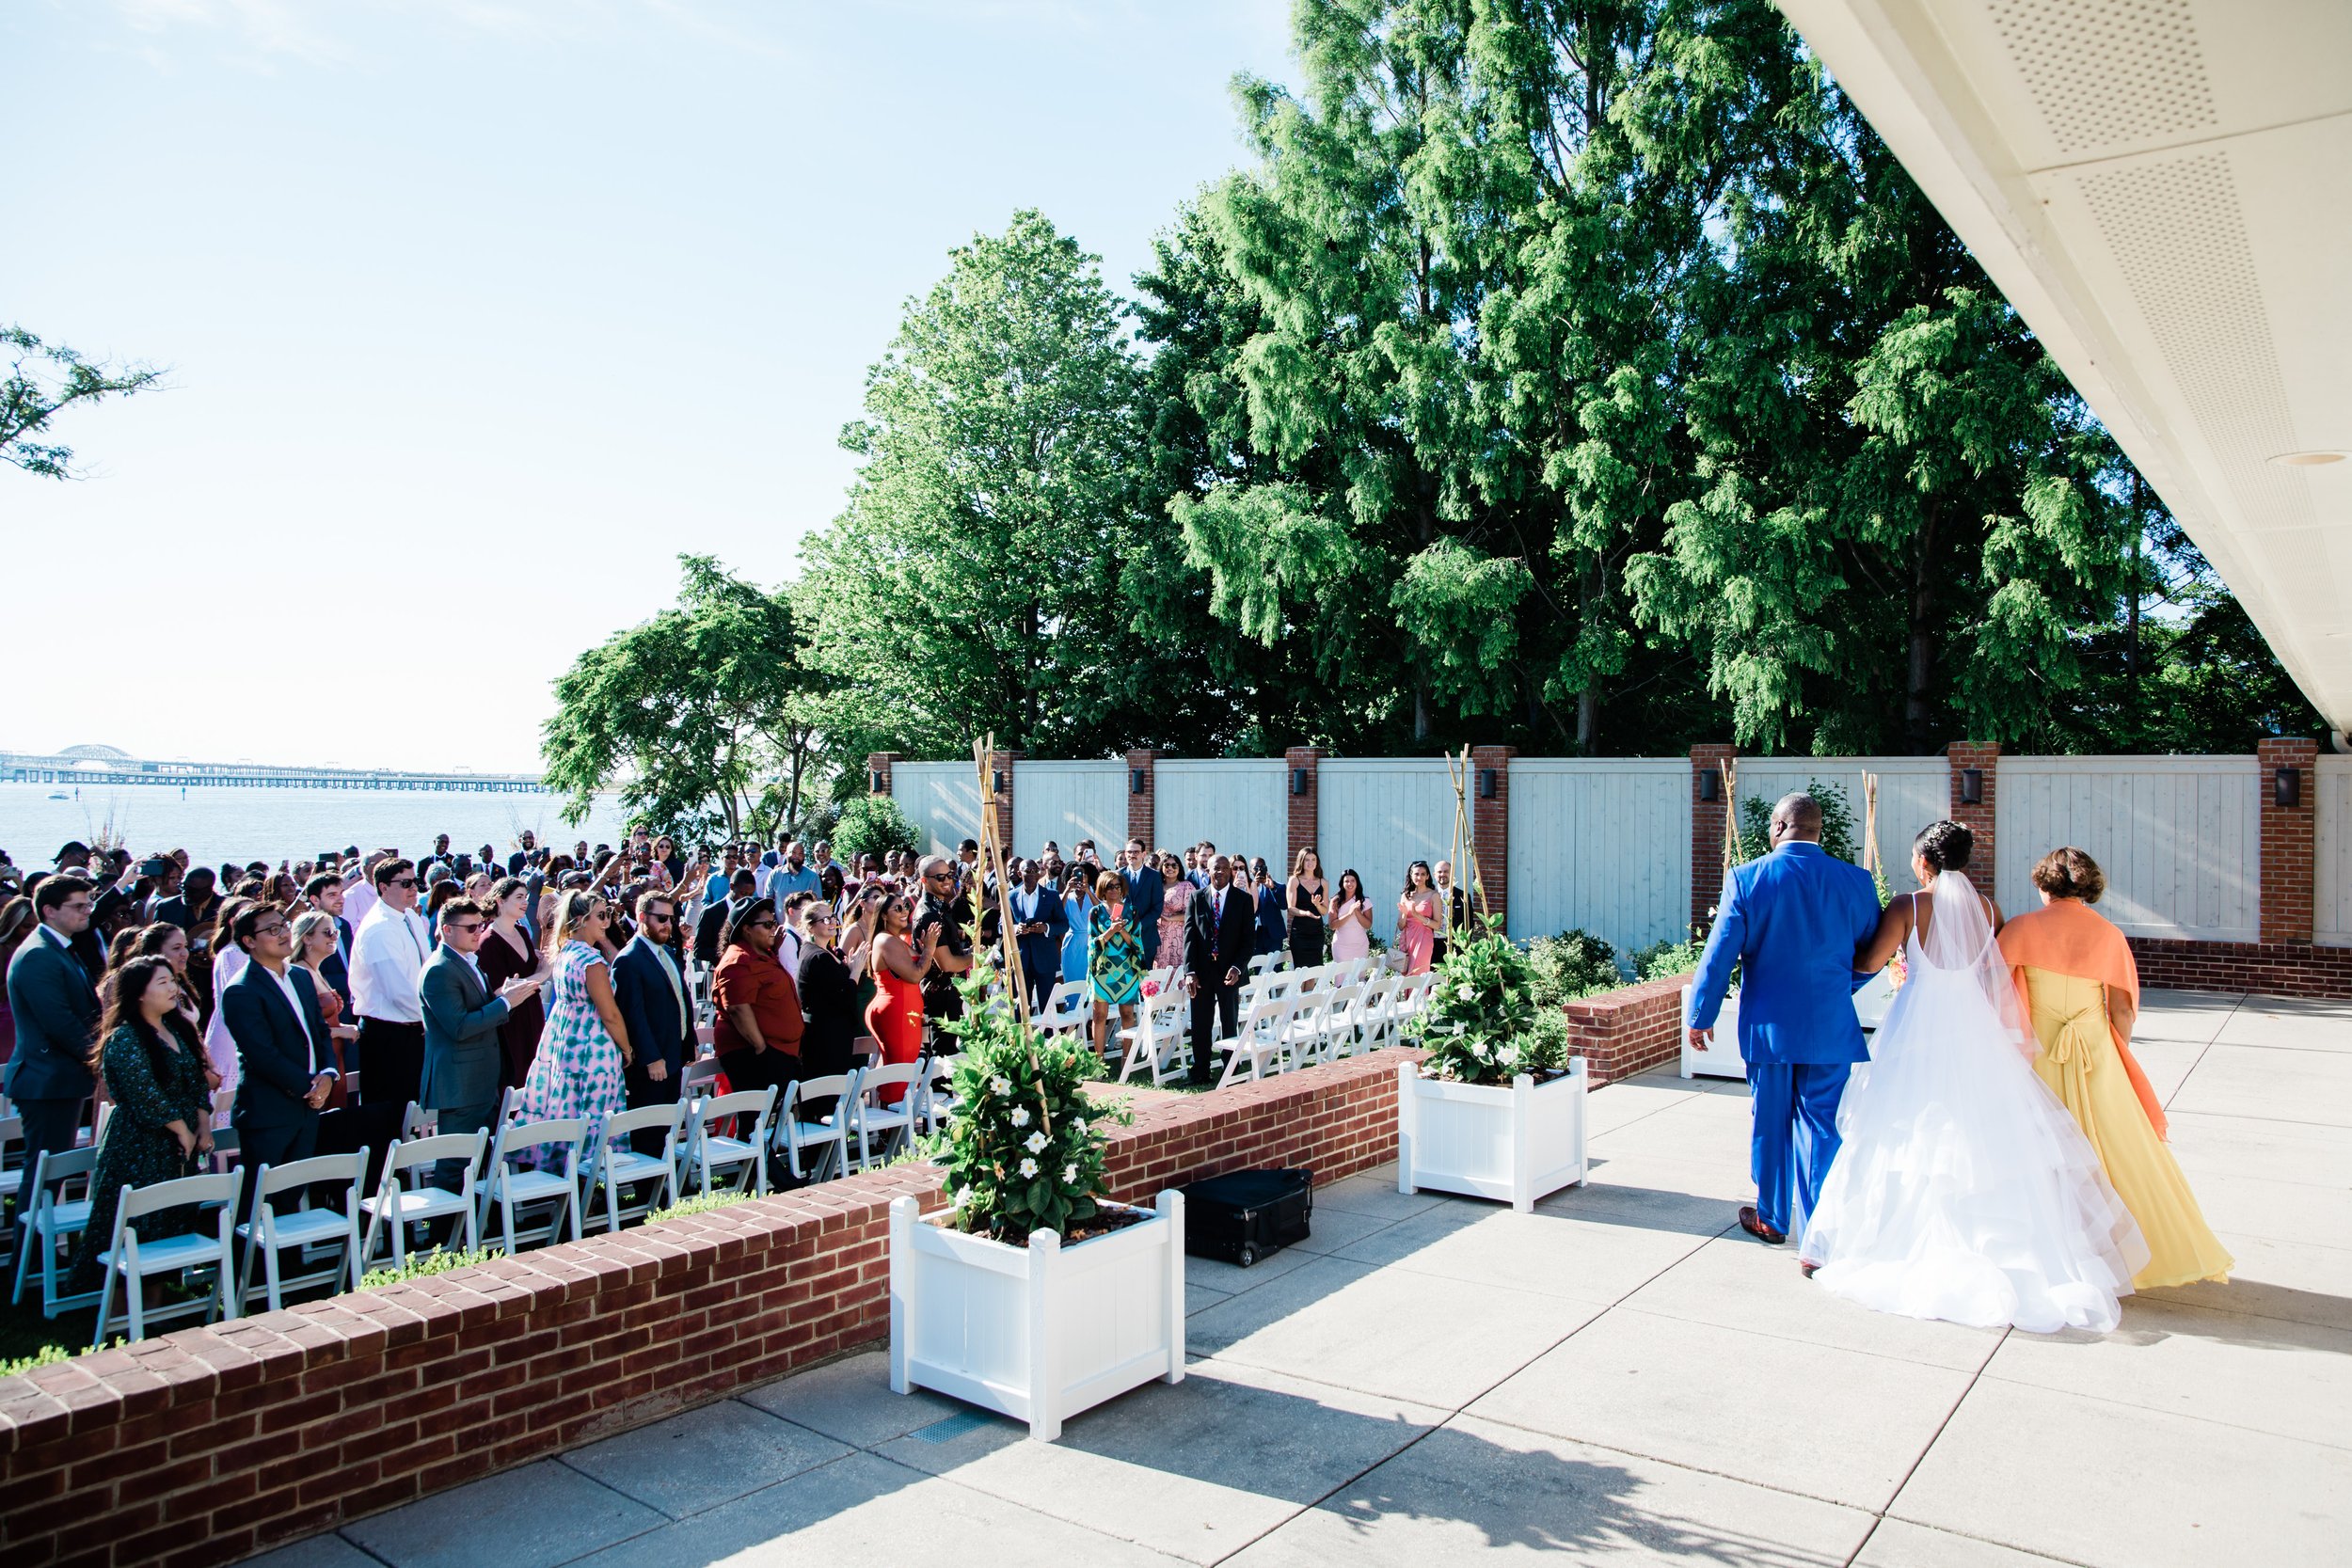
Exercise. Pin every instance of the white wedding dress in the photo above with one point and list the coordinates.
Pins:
(1962, 1189)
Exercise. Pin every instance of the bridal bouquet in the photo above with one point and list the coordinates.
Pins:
(1482, 1023)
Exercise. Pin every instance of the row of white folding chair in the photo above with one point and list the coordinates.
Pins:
(326, 1239)
(1069, 1010)
(1156, 1039)
(134, 1261)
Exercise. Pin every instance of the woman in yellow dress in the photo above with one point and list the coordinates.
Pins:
(2078, 984)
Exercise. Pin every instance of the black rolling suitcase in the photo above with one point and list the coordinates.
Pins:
(1240, 1217)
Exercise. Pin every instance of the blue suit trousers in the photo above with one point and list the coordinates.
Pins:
(1795, 1137)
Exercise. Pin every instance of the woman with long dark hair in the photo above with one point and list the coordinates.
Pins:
(1417, 918)
(1308, 900)
(506, 954)
(160, 1128)
(1351, 919)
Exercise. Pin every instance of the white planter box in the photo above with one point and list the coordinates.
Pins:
(1512, 1142)
(1038, 1333)
(1722, 1058)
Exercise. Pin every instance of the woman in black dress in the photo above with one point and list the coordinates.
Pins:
(160, 1128)
(1309, 899)
(506, 953)
(828, 1002)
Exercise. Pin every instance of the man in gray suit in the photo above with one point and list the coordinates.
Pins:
(464, 1064)
(55, 1012)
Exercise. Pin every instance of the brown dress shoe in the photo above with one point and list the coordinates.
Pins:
(1753, 1225)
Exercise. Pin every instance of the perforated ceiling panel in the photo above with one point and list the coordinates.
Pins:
(2179, 239)
(2108, 73)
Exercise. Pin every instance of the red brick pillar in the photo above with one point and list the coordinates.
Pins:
(1985, 757)
(1303, 817)
(2290, 841)
(1000, 769)
(1706, 830)
(1139, 818)
(878, 771)
(1491, 831)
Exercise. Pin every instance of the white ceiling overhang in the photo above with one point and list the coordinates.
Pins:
(2162, 188)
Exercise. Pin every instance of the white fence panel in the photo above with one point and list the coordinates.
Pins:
(1067, 802)
(1236, 804)
(2331, 890)
(1913, 792)
(2180, 838)
(1380, 814)
(1602, 844)
(942, 799)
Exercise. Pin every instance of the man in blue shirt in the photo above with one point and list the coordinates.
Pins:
(791, 876)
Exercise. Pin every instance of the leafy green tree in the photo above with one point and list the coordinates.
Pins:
(870, 825)
(705, 714)
(44, 380)
(973, 583)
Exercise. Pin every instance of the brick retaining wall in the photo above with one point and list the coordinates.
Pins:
(1630, 1031)
(2272, 968)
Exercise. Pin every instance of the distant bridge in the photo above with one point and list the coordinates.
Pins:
(103, 767)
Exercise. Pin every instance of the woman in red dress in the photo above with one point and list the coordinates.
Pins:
(507, 953)
(894, 1016)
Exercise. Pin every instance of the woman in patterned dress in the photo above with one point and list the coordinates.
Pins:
(1113, 959)
(159, 1130)
(577, 1071)
(1175, 899)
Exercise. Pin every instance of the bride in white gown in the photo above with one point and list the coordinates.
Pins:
(1963, 1190)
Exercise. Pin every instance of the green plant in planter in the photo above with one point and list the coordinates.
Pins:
(1026, 1150)
(1485, 1024)
(1572, 964)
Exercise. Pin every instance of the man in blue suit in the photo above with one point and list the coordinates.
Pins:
(1146, 893)
(1791, 922)
(285, 1062)
(57, 1014)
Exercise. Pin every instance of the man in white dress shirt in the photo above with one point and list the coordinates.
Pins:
(386, 958)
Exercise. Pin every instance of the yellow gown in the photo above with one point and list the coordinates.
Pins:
(2078, 1061)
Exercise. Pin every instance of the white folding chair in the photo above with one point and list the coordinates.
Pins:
(11, 1147)
(1266, 963)
(1067, 1009)
(1303, 1037)
(869, 1120)
(513, 1185)
(398, 1203)
(134, 1262)
(1259, 1041)
(1342, 1022)
(310, 1234)
(1155, 1037)
(700, 1077)
(617, 1162)
(1371, 1010)
(709, 1152)
(827, 1136)
(936, 1105)
(56, 1219)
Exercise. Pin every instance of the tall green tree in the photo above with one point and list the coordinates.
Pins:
(44, 380)
(973, 582)
(704, 716)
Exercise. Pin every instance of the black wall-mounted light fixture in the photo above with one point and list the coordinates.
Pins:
(874, 780)
(1486, 784)
(1301, 780)
(1138, 781)
(997, 782)
(1972, 787)
(1710, 784)
(2287, 787)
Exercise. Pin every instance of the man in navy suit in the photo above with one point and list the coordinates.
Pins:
(1220, 936)
(57, 1011)
(1038, 927)
(1146, 892)
(1792, 921)
(655, 1009)
(285, 1065)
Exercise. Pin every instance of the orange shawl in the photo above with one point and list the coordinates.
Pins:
(2068, 937)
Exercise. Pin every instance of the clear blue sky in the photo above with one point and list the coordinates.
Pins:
(494, 307)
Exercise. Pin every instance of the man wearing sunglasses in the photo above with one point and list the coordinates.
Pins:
(465, 1061)
(651, 994)
(388, 957)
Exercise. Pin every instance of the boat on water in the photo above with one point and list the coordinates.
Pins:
(59, 794)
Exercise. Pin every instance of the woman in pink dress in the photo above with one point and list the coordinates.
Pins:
(1175, 899)
(1351, 920)
(1417, 918)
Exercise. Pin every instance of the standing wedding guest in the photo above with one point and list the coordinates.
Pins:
(193, 904)
(1177, 892)
(828, 1002)
(464, 1063)
(1077, 909)
(16, 925)
(386, 956)
(941, 932)
(1038, 925)
(507, 953)
(215, 962)
(1115, 959)
(757, 1030)
(1451, 913)
(528, 842)
(1351, 919)
(791, 874)
(324, 892)
(315, 950)
(55, 1009)
(894, 1016)
(710, 931)
(160, 1128)
(2079, 986)
(1267, 893)
(1417, 919)
(285, 1061)
(582, 1060)
(1308, 900)
(793, 906)
(168, 943)
(655, 1008)
(1146, 889)
(1219, 935)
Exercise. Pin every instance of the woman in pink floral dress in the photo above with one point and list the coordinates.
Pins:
(1175, 899)
(577, 1071)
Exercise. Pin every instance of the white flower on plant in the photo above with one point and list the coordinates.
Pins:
(1480, 1049)
(963, 1195)
(1028, 1167)
(1000, 1086)
(1077, 1124)
(1019, 1116)
(1035, 1142)
(1069, 1171)
(1510, 1056)
(1465, 991)
(1460, 1028)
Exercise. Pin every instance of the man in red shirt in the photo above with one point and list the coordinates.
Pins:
(757, 1033)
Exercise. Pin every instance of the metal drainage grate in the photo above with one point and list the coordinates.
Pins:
(949, 1429)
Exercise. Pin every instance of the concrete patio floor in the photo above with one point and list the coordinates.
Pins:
(1621, 1376)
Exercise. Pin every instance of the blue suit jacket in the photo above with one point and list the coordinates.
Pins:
(1146, 894)
(275, 1048)
(56, 1012)
(1791, 922)
(658, 1031)
(1041, 954)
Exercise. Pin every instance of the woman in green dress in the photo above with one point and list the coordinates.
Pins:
(1115, 961)
(160, 1128)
